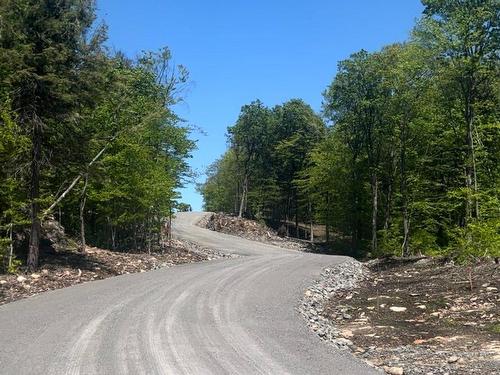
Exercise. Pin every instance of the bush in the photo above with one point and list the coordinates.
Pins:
(478, 239)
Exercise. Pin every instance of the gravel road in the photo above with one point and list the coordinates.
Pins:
(228, 316)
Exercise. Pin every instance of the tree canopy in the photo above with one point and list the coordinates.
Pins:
(409, 162)
(87, 136)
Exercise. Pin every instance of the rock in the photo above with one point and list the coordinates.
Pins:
(45, 272)
(453, 359)
(21, 279)
(35, 276)
(397, 308)
(346, 333)
(491, 289)
(394, 370)
(3, 282)
(343, 342)
(347, 316)
(422, 307)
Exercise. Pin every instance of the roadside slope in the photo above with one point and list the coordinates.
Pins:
(220, 317)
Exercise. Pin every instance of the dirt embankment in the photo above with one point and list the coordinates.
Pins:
(423, 317)
(251, 230)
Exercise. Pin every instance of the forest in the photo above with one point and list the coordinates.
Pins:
(404, 158)
(88, 136)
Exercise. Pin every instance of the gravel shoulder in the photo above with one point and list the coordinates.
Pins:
(422, 317)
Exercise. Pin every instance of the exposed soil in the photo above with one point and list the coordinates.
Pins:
(65, 268)
(251, 230)
(423, 317)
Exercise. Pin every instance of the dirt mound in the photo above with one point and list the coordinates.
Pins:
(53, 235)
(241, 227)
(251, 230)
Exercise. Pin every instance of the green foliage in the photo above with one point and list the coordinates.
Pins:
(260, 173)
(69, 108)
(411, 161)
(476, 240)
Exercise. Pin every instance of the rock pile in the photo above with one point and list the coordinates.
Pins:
(251, 230)
(339, 277)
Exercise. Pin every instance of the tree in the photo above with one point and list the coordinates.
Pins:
(46, 48)
(248, 140)
(465, 37)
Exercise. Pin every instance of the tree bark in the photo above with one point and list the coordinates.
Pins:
(405, 247)
(243, 195)
(11, 245)
(374, 183)
(83, 200)
(297, 229)
(113, 235)
(311, 223)
(327, 221)
(36, 157)
(388, 203)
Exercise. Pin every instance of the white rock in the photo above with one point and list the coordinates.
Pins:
(422, 307)
(397, 309)
(453, 359)
(394, 370)
(21, 279)
(3, 282)
(35, 276)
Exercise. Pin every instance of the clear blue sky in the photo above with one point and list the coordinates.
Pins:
(237, 51)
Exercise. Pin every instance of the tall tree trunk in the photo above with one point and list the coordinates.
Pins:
(113, 237)
(374, 183)
(472, 209)
(388, 202)
(136, 247)
(83, 200)
(472, 203)
(405, 247)
(327, 221)
(36, 157)
(11, 245)
(297, 229)
(287, 217)
(311, 223)
(243, 195)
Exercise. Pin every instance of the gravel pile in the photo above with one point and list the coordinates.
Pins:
(207, 252)
(344, 276)
(251, 230)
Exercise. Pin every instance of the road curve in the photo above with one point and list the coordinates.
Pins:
(235, 316)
